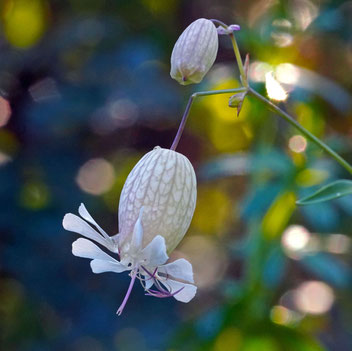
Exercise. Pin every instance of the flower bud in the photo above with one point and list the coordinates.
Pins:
(230, 29)
(236, 101)
(163, 182)
(194, 52)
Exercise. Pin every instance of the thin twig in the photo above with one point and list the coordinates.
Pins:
(189, 105)
(304, 131)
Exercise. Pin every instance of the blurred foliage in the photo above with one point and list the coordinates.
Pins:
(331, 191)
(85, 91)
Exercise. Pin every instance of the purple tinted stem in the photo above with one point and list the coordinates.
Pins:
(152, 275)
(128, 293)
(220, 23)
(189, 105)
(182, 124)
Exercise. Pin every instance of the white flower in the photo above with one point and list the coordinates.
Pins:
(194, 52)
(156, 207)
(147, 264)
(164, 183)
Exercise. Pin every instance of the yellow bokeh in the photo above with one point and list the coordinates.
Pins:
(8, 142)
(161, 7)
(229, 339)
(226, 131)
(274, 89)
(123, 165)
(213, 211)
(278, 215)
(310, 177)
(217, 105)
(12, 295)
(34, 195)
(24, 21)
(281, 315)
(299, 159)
(260, 343)
(310, 120)
(276, 56)
(229, 136)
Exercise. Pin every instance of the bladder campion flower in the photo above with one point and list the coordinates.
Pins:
(194, 52)
(156, 207)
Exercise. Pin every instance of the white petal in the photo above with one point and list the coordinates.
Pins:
(179, 269)
(115, 239)
(76, 224)
(185, 295)
(85, 248)
(85, 214)
(101, 266)
(137, 236)
(154, 254)
(148, 282)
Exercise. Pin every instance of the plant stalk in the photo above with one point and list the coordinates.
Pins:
(283, 114)
(239, 60)
(189, 105)
(304, 131)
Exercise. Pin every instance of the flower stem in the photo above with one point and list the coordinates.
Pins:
(128, 293)
(189, 105)
(304, 131)
(220, 23)
(237, 52)
(239, 60)
(283, 114)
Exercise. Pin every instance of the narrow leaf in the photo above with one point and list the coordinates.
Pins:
(328, 192)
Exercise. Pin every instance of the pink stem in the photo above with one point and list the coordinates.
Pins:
(183, 123)
(128, 293)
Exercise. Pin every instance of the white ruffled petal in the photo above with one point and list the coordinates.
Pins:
(115, 239)
(137, 236)
(154, 254)
(86, 249)
(101, 266)
(148, 282)
(76, 224)
(179, 269)
(82, 210)
(185, 295)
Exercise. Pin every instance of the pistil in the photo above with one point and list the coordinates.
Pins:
(128, 293)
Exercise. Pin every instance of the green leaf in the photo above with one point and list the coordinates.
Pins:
(328, 192)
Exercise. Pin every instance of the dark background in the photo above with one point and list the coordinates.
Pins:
(85, 92)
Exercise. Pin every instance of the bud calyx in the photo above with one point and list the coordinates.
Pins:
(194, 52)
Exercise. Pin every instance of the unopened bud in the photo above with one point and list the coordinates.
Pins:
(226, 31)
(237, 101)
(163, 182)
(194, 52)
